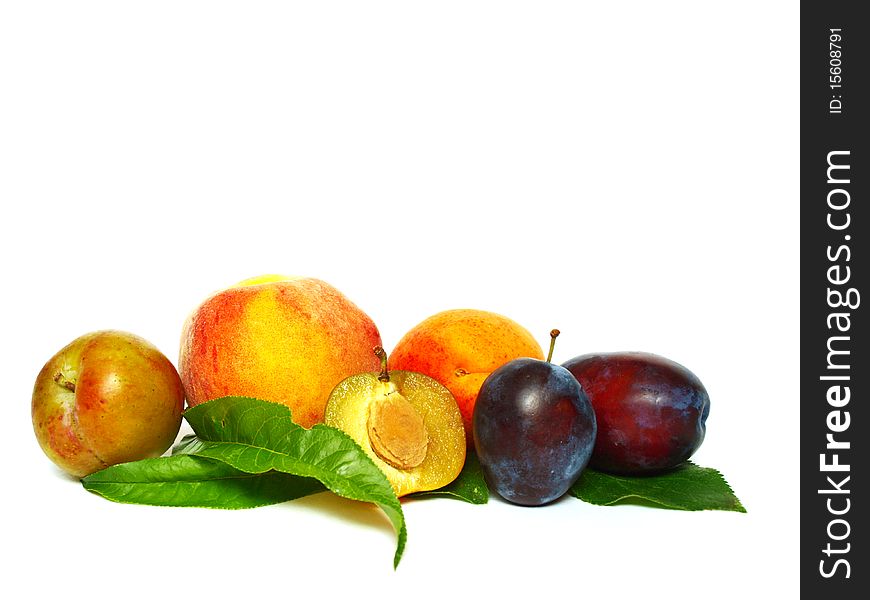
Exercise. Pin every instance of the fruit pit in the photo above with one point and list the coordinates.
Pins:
(397, 432)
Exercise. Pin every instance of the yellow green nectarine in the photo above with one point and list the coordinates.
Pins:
(107, 397)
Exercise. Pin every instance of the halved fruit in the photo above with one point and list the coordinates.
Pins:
(407, 422)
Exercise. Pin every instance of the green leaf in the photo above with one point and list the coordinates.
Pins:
(688, 487)
(195, 481)
(469, 486)
(256, 436)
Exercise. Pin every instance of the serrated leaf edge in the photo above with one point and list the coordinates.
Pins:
(95, 486)
(738, 505)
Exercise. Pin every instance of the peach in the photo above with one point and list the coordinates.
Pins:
(460, 348)
(107, 397)
(288, 340)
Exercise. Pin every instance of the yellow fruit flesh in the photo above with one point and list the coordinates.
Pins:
(410, 427)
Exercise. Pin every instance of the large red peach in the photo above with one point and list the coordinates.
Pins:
(107, 397)
(460, 348)
(282, 339)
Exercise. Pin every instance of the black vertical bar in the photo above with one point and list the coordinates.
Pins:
(835, 370)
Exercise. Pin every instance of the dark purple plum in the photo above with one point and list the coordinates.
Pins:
(651, 411)
(533, 430)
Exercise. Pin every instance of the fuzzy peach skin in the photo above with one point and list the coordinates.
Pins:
(285, 339)
(107, 397)
(460, 348)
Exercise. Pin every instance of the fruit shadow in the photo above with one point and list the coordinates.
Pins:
(64, 476)
(355, 512)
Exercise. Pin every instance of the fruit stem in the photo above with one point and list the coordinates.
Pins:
(62, 381)
(553, 335)
(379, 352)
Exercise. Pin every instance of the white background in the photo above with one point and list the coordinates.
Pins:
(626, 172)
